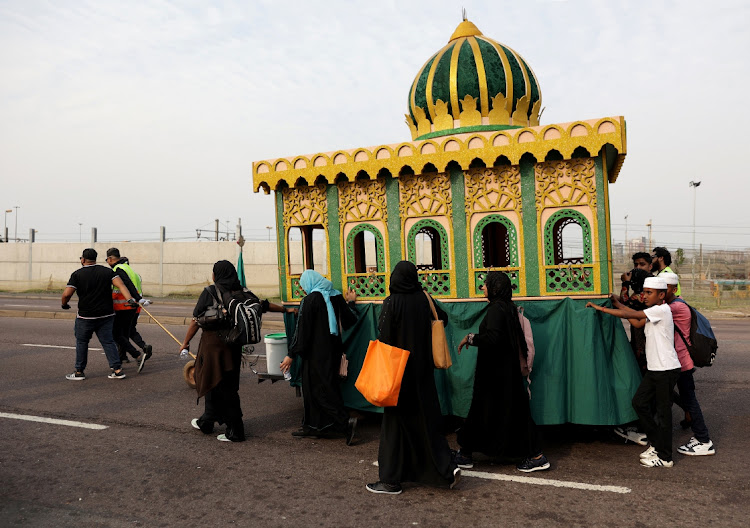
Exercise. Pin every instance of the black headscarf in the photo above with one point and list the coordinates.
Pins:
(225, 275)
(498, 286)
(404, 278)
(500, 291)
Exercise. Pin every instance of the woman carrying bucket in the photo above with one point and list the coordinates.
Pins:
(217, 364)
(323, 313)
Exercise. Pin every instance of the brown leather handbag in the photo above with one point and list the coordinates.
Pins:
(441, 354)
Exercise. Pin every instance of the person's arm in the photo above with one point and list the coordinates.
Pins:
(622, 313)
(66, 296)
(278, 308)
(302, 333)
(348, 313)
(117, 281)
(637, 323)
(492, 333)
(191, 331)
(129, 286)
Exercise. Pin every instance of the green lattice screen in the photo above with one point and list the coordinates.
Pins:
(411, 241)
(379, 247)
(479, 240)
(553, 236)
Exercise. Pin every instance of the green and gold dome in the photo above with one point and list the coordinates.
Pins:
(472, 84)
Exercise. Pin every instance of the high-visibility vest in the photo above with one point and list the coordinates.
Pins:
(119, 302)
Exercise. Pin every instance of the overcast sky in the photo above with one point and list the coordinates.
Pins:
(131, 115)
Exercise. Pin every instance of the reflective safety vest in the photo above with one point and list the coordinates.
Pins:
(119, 301)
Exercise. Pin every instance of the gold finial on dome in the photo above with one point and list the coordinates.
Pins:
(465, 29)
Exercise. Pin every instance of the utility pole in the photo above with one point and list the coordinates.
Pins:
(15, 232)
(627, 246)
(650, 248)
(216, 230)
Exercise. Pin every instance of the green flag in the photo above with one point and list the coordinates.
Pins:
(241, 270)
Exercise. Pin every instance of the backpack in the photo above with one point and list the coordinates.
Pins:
(215, 317)
(244, 313)
(702, 345)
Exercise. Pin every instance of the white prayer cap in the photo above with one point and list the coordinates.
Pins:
(657, 283)
(670, 278)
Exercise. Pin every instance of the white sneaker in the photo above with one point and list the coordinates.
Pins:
(656, 462)
(631, 434)
(649, 453)
(696, 448)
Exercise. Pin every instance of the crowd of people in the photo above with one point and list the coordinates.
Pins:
(412, 446)
(660, 328)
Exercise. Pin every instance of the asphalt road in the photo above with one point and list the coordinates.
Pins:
(149, 467)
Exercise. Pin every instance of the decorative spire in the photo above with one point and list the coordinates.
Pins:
(465, 29)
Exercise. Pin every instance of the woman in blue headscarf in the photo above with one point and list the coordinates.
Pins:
(323, 314)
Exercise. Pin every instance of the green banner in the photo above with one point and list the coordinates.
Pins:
(584, 370)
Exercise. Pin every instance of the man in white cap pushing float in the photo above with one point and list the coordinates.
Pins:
(662, 371)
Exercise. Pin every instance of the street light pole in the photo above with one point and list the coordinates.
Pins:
(79, 232)
(627, 246)
(694, 185)
(269, 232)
(15, 234)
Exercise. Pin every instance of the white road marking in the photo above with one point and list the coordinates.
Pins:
(544, 482)
(540, 481)
(22, 305)
(55, 346)
(69, 423)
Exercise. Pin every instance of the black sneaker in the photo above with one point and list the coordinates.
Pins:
(533, 464)
(351, 430)
(305, 432)
(382, 487)
(463, 461)
(142, 361)
(76, 376)
(117, 375)
(456, 477)
(148, 350)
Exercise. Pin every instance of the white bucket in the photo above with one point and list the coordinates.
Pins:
(275, 352)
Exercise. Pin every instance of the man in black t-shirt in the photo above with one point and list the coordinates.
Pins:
(93, 285)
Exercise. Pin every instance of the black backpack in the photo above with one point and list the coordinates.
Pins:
(245, 314)
(703, 345)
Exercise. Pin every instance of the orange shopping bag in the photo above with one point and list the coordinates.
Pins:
(379, 381)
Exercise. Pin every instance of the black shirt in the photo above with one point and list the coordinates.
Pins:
(93, 284)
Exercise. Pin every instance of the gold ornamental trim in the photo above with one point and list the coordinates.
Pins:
(593, 135)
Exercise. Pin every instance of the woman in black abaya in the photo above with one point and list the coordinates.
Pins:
(412, 446)
(323, 314)
(217, 364)
(499, 422)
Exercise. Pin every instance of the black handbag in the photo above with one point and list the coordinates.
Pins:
(215, 317)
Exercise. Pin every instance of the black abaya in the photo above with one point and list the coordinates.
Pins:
(412, 446)
(499, 423)
(321, 357)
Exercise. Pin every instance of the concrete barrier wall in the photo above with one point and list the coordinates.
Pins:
(169, 267)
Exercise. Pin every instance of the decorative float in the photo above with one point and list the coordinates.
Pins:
(481, 185)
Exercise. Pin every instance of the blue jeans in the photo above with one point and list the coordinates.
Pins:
(84, 329)
(688, 401)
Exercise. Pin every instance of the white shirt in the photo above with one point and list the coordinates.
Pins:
(660, 352)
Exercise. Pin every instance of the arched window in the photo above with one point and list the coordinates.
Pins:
(427, 244)
(495, 243)
(365, 250)
(567, 238)
(307, 249)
